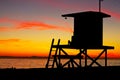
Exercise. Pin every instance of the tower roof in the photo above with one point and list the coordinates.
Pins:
(87, 13)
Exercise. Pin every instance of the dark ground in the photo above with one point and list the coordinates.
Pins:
(90, 73)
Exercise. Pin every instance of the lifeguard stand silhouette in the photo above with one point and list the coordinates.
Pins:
(88, 34)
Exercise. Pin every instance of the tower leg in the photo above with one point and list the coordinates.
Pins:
(105, 57)
(80, 54)
(85, 51)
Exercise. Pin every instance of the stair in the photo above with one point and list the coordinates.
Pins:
(53, 51)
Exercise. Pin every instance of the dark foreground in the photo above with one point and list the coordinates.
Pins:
(91, 73)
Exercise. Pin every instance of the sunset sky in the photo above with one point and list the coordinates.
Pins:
(28, 26)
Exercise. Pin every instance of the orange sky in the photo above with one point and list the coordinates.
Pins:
(27, 30)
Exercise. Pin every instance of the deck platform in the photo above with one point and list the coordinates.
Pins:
(57, 53)
(71, 47)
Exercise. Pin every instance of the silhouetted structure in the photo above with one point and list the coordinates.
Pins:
(88, 34)
(88, 29)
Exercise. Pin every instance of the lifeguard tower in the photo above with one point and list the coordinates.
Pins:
(88, 34)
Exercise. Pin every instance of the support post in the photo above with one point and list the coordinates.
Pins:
(85, 51)
(79, 54)
(80, 61)
(59, 58)
(99, 5)
(105, 57)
